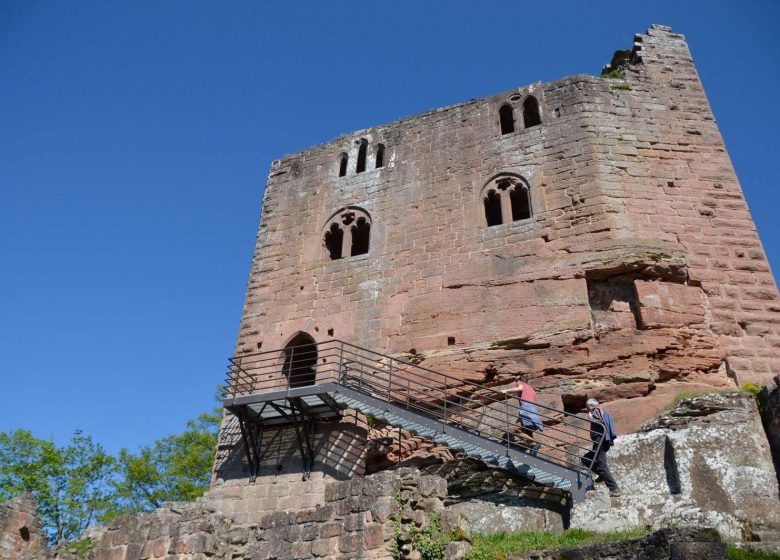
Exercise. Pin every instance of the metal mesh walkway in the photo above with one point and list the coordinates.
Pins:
(309, 383)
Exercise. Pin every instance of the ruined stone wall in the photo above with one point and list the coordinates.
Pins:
(676, 181)
(21, 531)
(638, 275)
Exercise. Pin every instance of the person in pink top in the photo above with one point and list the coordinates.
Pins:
(529, 418)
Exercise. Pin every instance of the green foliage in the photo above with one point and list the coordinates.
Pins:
(501, 545)
(176, 468)
(621, 85)
(80, 548)
(747, 554)
(71, 484)
(613, 74)
(430, 542)
(78, 484)
(754, 390)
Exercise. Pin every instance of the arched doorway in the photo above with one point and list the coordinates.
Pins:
(300, 360)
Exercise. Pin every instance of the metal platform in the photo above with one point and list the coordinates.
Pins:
(302, 385)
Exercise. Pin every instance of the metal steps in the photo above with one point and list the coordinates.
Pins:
(303, 385)
(453, 441)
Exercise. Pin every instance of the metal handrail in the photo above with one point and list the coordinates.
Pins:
(421, 390)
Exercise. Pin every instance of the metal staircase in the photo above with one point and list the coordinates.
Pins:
(301, 385)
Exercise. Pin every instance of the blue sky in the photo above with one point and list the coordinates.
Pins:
(135, 138)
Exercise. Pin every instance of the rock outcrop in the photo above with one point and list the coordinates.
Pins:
(770, 415)
(705, 463)
(665, 544)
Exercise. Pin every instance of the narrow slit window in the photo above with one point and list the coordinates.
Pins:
(507, 118)
(493, 208)
(521, 208)
(361, 159)
(380, 156)
(361, 233)
(333, 240)
(343, 165)
(531, 112)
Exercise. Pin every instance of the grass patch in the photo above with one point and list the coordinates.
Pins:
(621, 85)
(613, 74)
(501, 545)
(754, 390)
(747, 554)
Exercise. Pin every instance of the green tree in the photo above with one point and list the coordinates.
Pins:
(174, 468)
(71, 484)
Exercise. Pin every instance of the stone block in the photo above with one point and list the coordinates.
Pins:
(383, 508)
(325, 547)
(331, 529)
(664, 304)
(373, 536)
(350, 542)
(337, 491)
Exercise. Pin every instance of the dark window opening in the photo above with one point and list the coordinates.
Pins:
(507, 118)
(574, 404)
(330, 332)
(333, 240)
(343, 165)
(380, 156)
(531, 112)
(493, 208)
(300, 360)
(361, 160)
(450, 340)
(360, 236)
(521, 209)
(24, 532)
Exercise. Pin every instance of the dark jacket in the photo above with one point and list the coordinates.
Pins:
(601, 420)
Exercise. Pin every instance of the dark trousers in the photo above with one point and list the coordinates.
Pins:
(600, 466)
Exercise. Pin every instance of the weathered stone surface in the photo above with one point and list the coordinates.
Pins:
(457, 550)
(666, 544)
(705, 463)
(21, 531)
(513, 515)
(770, 416)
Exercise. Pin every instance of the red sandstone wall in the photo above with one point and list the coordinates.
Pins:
(639, 275)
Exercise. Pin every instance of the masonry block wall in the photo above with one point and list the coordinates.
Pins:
(634, 270)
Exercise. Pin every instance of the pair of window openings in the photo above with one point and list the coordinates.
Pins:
(379, 158)
(506, 115)
(505, 199)
(347, 234)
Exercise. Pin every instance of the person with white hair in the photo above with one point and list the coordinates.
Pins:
(596, 459)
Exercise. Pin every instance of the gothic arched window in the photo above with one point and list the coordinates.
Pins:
(506, 199)
(343, 159)
(347, 233)
(361, 160)
(380, 156)
(507, 118)
(531, 112)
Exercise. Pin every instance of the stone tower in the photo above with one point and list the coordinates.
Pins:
(589, 232)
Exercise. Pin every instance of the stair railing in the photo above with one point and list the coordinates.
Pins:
(474, 407)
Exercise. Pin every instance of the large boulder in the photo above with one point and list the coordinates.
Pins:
(770, 412)
(705, 463)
